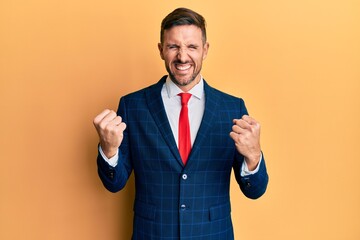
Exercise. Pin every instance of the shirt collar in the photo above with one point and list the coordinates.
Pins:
(173, 90)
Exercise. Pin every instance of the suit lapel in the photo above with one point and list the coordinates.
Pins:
(157, 110)
(212, 99)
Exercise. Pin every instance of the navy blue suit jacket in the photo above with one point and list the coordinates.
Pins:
(173, 201)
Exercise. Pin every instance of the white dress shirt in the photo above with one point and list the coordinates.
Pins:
(172, 104)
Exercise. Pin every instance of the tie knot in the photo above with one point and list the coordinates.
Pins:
(185, 98)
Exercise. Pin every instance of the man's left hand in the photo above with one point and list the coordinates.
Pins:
(246, 135)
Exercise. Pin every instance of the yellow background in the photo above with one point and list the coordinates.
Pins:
(296, 64)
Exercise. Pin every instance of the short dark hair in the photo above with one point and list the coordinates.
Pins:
(183, 16)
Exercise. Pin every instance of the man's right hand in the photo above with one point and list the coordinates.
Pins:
(110, 129)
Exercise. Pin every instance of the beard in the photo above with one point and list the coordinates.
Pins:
(183, 83)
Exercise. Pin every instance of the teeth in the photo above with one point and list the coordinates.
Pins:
(183, 67)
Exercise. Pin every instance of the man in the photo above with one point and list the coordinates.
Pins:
(182, 138)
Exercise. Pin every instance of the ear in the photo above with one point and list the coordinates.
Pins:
(206, 49)
(160, 47)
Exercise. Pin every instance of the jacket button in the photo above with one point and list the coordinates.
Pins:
(183, 207)
(184, 176)
(111, 174)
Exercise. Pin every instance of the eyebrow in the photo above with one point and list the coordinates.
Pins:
(172, 45)
(193, 45)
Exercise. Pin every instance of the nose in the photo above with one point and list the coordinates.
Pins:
(182, 55)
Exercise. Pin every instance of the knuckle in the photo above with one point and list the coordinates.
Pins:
(102, 125)
(95, 122)
(118, 119)
(118, 132)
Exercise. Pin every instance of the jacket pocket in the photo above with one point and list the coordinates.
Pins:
(220, 211)
(144, 210)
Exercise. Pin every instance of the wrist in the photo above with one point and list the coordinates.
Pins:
(109, 152)
(252, 161)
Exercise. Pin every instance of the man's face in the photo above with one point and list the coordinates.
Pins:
(183, 51)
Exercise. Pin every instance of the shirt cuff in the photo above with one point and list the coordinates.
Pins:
(113, 161)
(245, 170)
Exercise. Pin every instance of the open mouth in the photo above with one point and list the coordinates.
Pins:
(182, 67)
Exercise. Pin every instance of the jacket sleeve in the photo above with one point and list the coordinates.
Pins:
(115, 178)
(253, 186)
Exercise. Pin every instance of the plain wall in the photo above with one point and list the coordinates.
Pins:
(295, 63)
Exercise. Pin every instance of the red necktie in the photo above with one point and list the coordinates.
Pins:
(184, 128)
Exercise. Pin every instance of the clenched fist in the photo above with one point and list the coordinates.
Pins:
(110, 129)
(246, 135)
